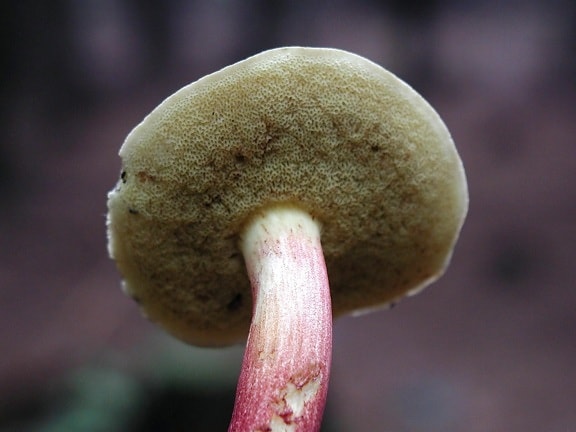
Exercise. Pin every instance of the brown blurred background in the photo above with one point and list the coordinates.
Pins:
(490, 347)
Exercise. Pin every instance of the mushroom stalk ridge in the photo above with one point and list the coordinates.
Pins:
(284, 377)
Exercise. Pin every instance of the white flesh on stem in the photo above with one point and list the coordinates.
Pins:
(284, 377)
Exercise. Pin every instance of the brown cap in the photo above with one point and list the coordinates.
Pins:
(320, 129)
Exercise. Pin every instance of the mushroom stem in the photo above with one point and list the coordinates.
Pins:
(284, 378)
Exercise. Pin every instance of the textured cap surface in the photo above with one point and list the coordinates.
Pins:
(321, 129)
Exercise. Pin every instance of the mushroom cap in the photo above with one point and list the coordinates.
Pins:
(324, 130)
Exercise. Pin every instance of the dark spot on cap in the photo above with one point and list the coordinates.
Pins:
(235, 303)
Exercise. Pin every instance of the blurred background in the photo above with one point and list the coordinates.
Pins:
(490, 347)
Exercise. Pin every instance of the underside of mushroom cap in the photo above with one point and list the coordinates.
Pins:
(323, 130)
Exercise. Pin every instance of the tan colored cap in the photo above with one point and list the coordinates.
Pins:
(321, 129)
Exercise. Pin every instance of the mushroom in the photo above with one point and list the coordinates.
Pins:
(240, 194)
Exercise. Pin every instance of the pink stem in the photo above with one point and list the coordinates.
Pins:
(284, 377)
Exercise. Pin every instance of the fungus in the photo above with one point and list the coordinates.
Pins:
(244, 190)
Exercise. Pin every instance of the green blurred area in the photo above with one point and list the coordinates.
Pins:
(171, 387)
